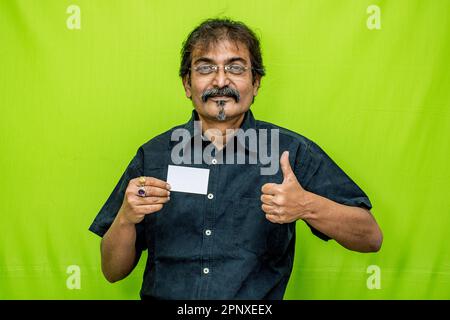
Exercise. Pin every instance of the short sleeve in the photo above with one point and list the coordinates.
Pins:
(111, 207)
(324, 177)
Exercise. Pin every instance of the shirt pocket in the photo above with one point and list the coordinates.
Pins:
(252, 232)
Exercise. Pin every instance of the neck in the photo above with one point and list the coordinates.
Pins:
(216, 131)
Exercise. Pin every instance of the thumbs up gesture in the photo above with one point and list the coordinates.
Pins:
(285, 202)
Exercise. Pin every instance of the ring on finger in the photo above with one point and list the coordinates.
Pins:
(141, 192)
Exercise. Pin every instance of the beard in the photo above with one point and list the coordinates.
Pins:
(221, 116)
(221, 92)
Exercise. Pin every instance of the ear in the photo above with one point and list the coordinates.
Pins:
(256, 84)
(187, 86)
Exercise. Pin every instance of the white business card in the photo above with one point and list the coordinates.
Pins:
(188, 179)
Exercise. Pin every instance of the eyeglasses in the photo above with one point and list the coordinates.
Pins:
(235, 69)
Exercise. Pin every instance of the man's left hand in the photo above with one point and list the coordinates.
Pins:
(285, 202)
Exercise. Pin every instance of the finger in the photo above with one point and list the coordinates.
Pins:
(147, 209)
(274, 218)
(151, 191)
(151, 181)
(267, 199)
(156, 192)
(152, 200)
(286, 166)
(269, 209)
(270, 188)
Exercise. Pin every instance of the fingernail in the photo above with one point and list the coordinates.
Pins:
(168, 198)
(168, 186)
(168, 193)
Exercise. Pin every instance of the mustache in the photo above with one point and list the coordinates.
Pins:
(217, 92)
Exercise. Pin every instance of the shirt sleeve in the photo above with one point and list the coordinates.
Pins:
(323, 176)
(109, 210)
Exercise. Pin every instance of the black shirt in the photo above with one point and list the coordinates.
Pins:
(220, 245)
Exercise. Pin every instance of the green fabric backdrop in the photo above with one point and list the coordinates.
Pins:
(76, 103)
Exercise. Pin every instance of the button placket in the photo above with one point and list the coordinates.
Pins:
(207, 250)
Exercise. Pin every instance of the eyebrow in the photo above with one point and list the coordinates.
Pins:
(228, 61)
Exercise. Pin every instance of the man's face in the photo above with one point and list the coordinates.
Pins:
(209, 106)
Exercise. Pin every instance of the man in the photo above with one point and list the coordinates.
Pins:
(237, 240)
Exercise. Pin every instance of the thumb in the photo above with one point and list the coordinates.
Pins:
(286, 166)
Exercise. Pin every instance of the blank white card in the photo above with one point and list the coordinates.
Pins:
(187, 179)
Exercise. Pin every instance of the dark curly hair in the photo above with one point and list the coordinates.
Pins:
(214, 30)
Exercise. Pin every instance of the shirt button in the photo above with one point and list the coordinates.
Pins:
(210, 196)
(205, 270)
(214, 161)
(208, 232)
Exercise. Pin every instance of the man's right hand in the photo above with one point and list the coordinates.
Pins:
(135, 207)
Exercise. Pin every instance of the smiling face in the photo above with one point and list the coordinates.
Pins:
(221, 53)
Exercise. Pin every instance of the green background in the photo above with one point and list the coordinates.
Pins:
(76, 105)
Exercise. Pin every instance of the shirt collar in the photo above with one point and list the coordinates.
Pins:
(249, 122)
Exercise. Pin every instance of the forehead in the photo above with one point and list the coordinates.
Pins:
(221, 51)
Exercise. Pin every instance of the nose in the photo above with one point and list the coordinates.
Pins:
(221, 78)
